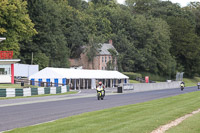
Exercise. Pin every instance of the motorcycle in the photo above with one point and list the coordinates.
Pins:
(100, 93)
(182, 87)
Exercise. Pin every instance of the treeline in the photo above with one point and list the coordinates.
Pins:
(152, 36)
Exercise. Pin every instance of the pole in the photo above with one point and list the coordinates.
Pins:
(32, 59)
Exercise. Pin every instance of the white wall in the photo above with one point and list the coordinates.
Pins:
(5, 78)
(25, 70)
(139, 87)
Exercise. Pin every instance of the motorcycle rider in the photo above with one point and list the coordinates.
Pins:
(182, 85)
(101, 87)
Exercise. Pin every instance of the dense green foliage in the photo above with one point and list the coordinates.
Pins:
(15, 24)
(153, 36)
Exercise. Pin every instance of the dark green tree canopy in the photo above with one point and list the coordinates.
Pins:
(154, 36)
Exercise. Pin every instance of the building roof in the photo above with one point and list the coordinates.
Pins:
(105, 47)
(2, 38)
(8, 61)
(49, 72)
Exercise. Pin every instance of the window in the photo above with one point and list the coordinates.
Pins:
(102, 58)
(5, 69)
(102, 68)
(105, 59)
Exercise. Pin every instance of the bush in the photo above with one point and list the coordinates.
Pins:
(132, 75)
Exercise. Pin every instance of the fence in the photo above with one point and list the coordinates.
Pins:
(45, 84)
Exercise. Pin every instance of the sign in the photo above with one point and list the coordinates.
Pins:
(6, 54)
(146, 79)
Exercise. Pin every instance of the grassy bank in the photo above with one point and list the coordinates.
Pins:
(134, 81)
(4, 86)
(137, 118)
(190, 125)
(191, 82)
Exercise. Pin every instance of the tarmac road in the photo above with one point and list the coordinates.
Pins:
(34, 111)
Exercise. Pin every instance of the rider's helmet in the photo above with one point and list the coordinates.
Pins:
(100, 83)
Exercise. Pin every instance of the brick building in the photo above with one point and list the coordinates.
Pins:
(103, 60)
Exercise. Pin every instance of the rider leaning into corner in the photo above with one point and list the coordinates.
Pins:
(101, 87)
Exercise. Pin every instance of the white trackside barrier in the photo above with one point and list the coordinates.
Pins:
(53, 90)
(139, 87)
(27, 91)
(41, 91)
(63, 89)
(10, 92)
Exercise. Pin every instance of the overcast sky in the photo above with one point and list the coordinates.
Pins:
(181, 2)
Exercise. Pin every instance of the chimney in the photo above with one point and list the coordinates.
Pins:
(110, 42)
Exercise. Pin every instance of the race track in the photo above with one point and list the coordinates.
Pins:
(21, 115)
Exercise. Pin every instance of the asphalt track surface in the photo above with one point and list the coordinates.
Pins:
(21, 115)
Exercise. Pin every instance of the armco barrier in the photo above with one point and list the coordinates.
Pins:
(19, 92)
(41, 91)
(64, 89)
(53, 90)
(27, 91)
(12, 92)
(58, 89)
(2, 92)
(138, 87)
(47, 90)
(34, 91)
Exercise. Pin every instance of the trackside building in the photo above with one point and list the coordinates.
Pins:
(78, 78)
(7, 65)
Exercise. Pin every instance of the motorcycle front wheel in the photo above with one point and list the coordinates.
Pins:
(98, 96)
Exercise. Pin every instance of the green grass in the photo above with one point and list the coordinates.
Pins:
(134, 81)
(190, 125)
(70, 92)
(4, 86)
(188, 82)
(191, 82)
(136, 118)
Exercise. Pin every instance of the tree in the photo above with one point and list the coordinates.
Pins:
(50, 41)
(185, 44)
(194, 7)
(141, 6)
(93, 48)
(15, 24)
(75, 29)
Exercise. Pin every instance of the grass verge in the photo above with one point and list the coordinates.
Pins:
(190, 125)
(4, 86)
(191, 82)
(70, 92)
(134, 81)
(136, 118)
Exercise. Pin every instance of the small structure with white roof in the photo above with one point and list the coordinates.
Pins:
(79, 78)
